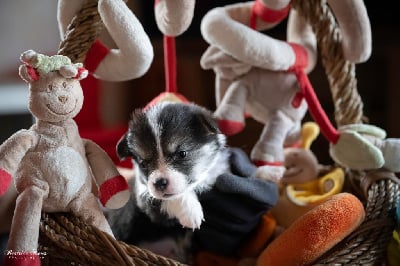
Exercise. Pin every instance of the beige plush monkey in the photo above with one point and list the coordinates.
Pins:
(52, 166)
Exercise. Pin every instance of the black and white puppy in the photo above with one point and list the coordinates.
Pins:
(178, 152)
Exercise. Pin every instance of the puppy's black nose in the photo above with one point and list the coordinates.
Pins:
(161, 184)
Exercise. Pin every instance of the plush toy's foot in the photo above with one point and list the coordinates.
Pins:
(230, 127)
(355, 151)
(21, 259)
(270, 172)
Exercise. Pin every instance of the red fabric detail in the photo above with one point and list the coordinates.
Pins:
(163, 96)
(259, 163)
(32, 73)
(95, 55)
(297, 99)
(5, 181)
(80, 71)
(89, 116)
(111, 187)
(21, 259)
(229, 127)
(156, 2)
(267, 14)
(170, 63)
(316, 110)
(301, 54)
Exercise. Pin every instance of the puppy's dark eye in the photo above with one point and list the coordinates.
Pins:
(64, 84)
(182, 154)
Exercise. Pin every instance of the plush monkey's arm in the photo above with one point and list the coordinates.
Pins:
(11, 153)
(113, 188)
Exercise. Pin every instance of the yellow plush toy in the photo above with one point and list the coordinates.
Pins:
(305, 183)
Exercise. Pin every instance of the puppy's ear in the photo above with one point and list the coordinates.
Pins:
(123, 148)
(209, 122)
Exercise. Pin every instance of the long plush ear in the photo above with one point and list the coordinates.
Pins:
(173, 17)
(260, 50)
(28, 73)
(122, 148)
(355, 27)
(131, 39)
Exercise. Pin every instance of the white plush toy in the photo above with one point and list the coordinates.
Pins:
(54, 169)
(252, 75)
(267, 78)
(134, 53)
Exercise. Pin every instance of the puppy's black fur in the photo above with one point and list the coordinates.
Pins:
(172, 136)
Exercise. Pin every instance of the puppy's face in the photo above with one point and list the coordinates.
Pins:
(173, 146)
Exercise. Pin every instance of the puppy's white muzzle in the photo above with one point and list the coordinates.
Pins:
(167, 184)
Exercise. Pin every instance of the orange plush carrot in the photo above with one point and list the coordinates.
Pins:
(315, 232)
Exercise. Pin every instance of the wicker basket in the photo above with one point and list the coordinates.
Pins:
(66, 240)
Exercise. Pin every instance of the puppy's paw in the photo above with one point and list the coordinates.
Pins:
(187, 209)
(192, 217)
(270, 173)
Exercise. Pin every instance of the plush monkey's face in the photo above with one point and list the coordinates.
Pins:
(54, 98)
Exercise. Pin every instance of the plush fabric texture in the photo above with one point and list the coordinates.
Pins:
(173, 17)
(315, 232)
(234, 207)
(54, 169)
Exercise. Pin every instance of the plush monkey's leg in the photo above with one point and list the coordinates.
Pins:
(269, 147)
(230, 112)
(24, 234)
(88, 207)
(221, 85)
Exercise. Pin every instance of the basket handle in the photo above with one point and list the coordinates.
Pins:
(340, 72)
(83, 30)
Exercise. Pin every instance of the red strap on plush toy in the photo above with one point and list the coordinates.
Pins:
(170, 64)
(171, 88)
(317, 112)
(267, 14)
(111, 187)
